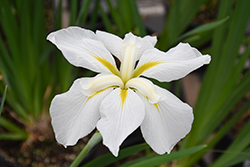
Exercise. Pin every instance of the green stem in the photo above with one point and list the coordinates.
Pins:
(94, 140)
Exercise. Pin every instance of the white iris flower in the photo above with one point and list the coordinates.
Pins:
(118, 101)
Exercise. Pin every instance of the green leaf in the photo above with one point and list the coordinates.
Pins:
(125, 11)
(10, 126)
(117, 18)
(203, 28)
(94, 15)
(219, 93)
(3, 99)
(108, 159)
(227, 126)
(239, 144)
(240, 157)
(137, 18)
(179, 17)
(155, 160)
(106, 20)
(222, 131)
(73, 11)
(83, 13)
(192, 39)
(13, 136)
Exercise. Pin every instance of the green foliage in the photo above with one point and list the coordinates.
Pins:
(34, 70)
(3, 99)
(20, 61)
(108, 159)
(180, 16)
(224, 84)
(237, 151)
(125, 17)
(154, 160)
(26, 63)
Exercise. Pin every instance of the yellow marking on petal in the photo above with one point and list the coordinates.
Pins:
(108, 65)
(157, 107)
(123, 95)
(145, 67)
(95, 94)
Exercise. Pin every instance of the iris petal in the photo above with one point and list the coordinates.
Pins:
(112, 42)
(122, 111)
(82, 48)
(166, 122)
(172, 65)
(101, 81)
(75, 115)
(145, 87)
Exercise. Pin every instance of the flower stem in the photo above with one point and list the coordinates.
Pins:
(94, 140)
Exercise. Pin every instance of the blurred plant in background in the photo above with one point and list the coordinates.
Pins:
(34, 70)
(25, 64)
(22, 62)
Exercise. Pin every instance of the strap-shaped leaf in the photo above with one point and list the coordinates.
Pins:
(3, 99)
(154, 160)
(108, 159)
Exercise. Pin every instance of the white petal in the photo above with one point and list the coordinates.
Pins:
(151, 39)
(173, 65)
(112, 42)
(101, 81)
(82, 48)
(145, 87)
(142, 44)
(75, 115)
(122, 111)
(166, 122)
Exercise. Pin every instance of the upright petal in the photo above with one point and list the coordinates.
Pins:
(115, 44)
(142, 44)
(75, 115)
(172, 65)
(122, 111)
(112, 42)
(166, 122)
(132, 49)
(82, 48)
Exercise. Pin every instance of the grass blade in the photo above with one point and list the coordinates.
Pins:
(238, 145)
(81, 18)
(13, 136)
(137, 18)
(73, 11)
(106, 20)
(94, 15)
(155, 160)
(117, 18)
(108, 159)
(3, 99)
(10, 126)
(203, 28)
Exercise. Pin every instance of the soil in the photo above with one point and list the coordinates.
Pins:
(40, 150)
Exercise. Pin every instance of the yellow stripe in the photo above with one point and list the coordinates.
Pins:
(157, 107)
(108, 65)
(95, 94)
(145, 67)
(123, 95)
